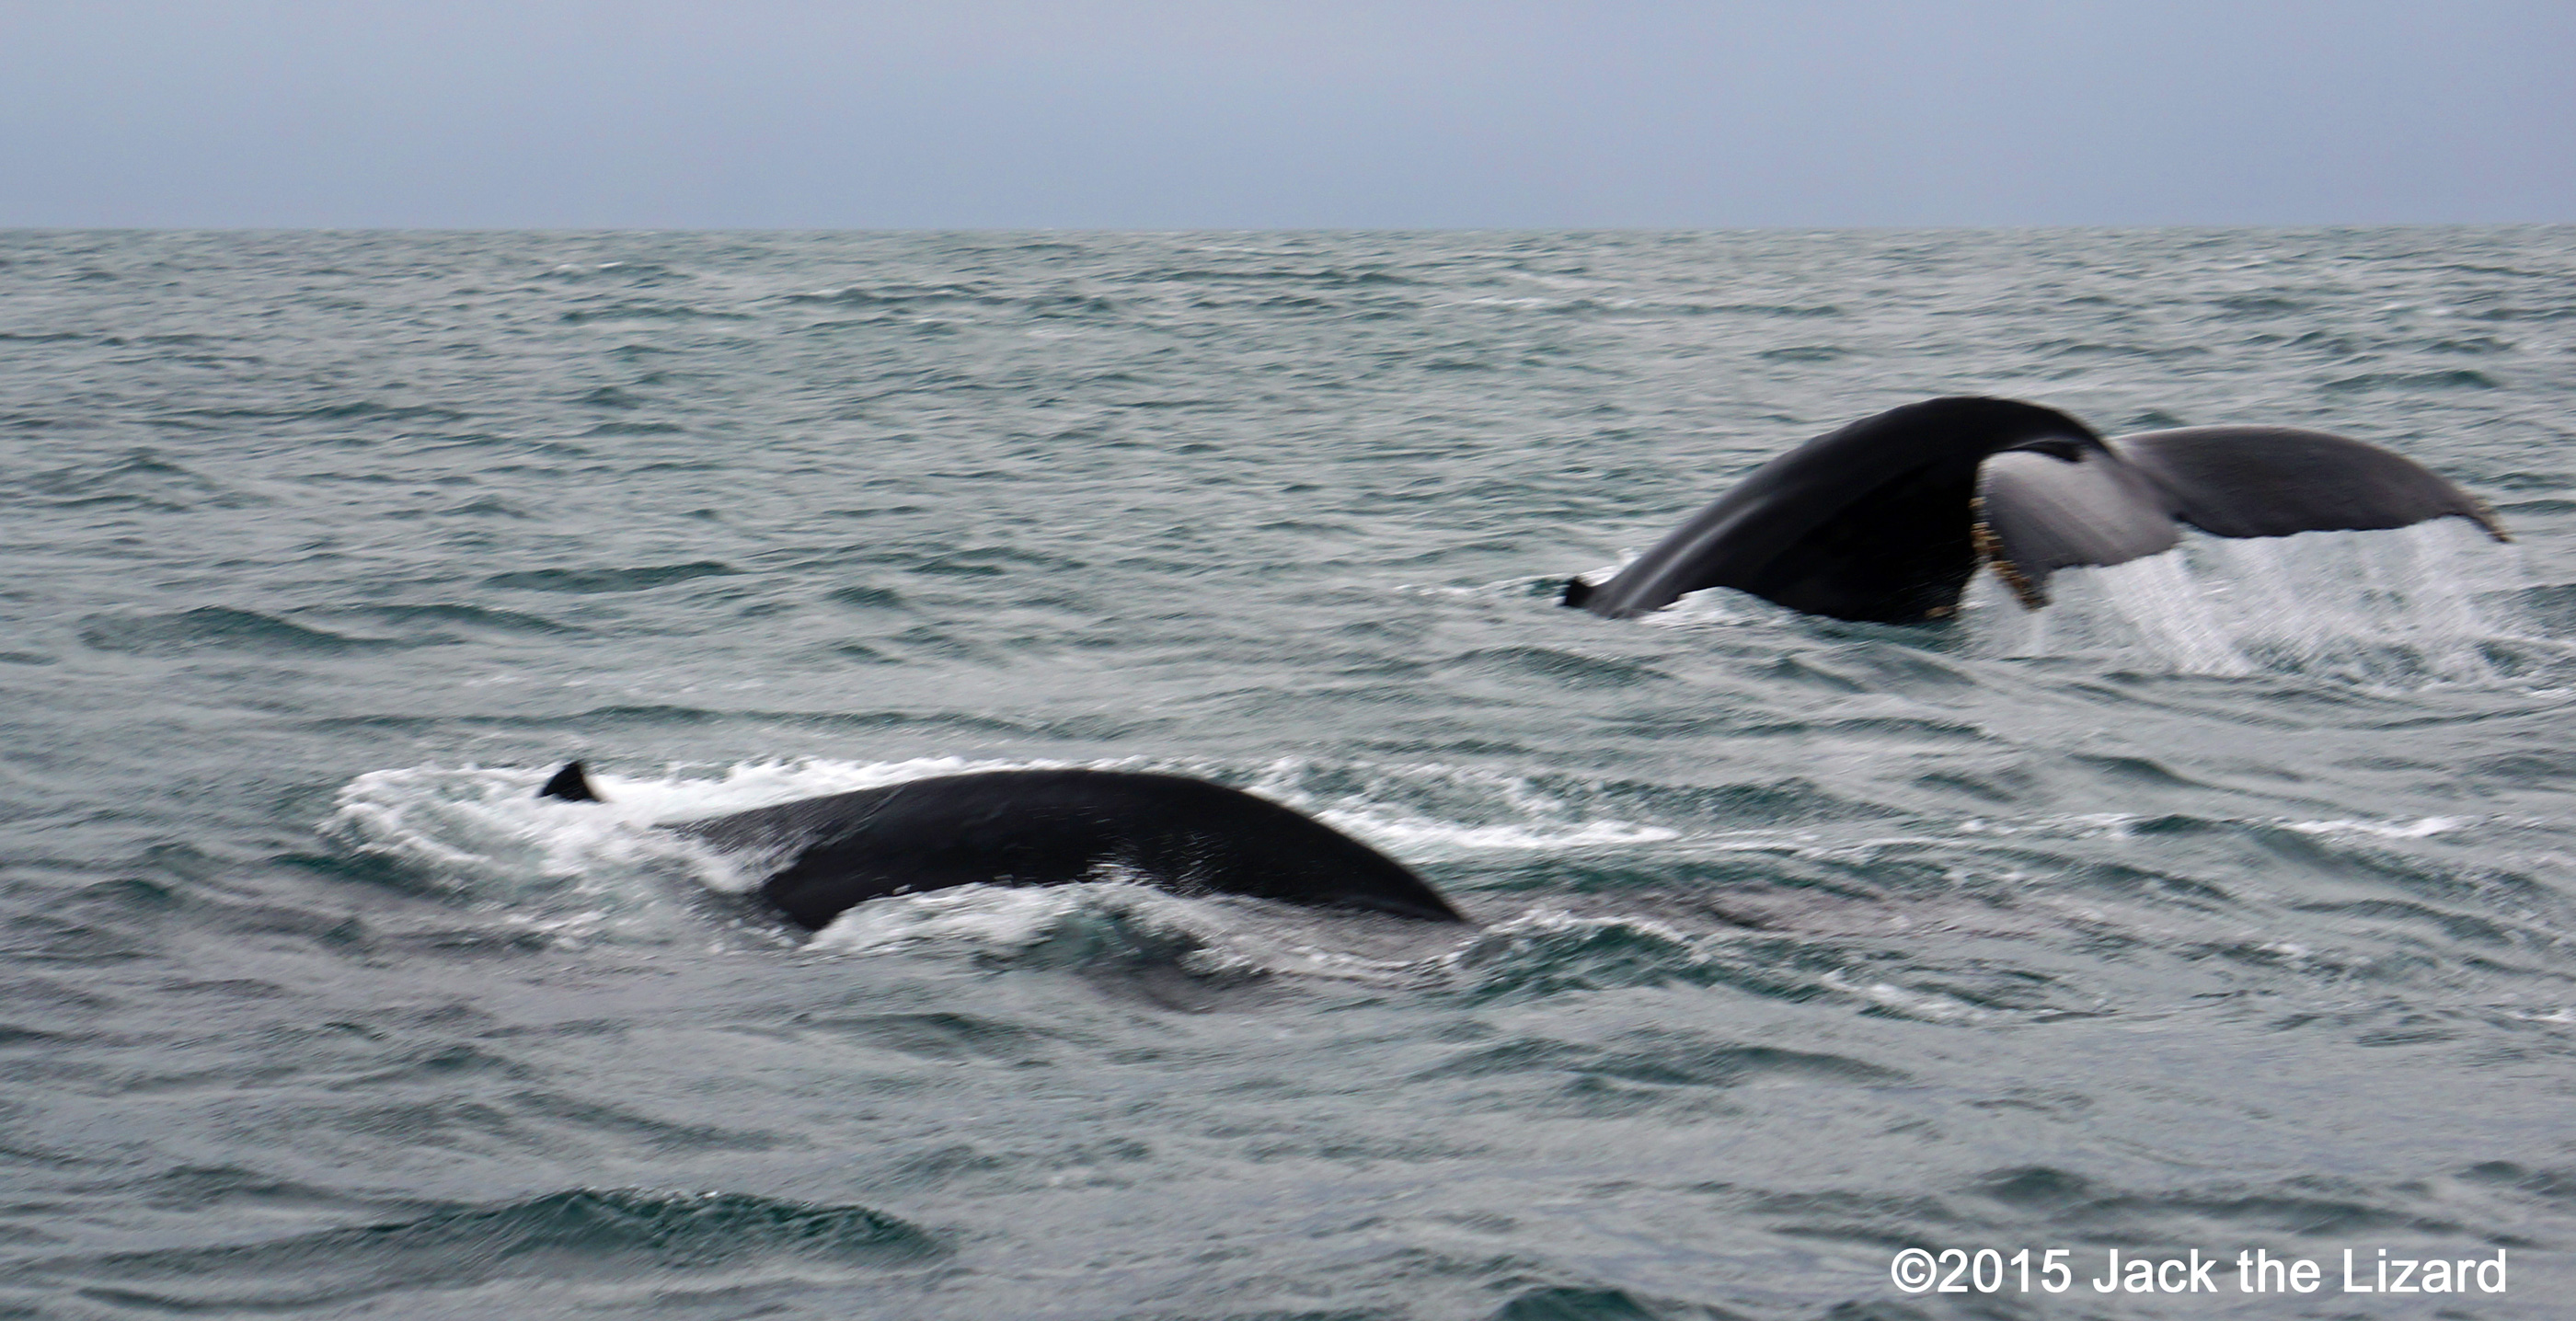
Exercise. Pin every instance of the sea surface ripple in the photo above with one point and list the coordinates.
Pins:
(2224, 905)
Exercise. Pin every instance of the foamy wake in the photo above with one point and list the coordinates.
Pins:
(1427, 812)
(2407, 606)
(482, 835)
(476, 829)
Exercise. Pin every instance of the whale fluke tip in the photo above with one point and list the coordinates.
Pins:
(570, 785)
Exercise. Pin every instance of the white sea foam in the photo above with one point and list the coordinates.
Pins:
(583, 868)
(1501, 938)
(2421, 828)
(2404, 606)
(1716, 605)
(485, 830)
(1009, 921)
(1910, 1003)
(471, 827)
(1095, 923)
(1419, 836)
(1427, 810)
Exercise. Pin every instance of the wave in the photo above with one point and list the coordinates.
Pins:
(217, 628)
(627, 1236)
(452, 615)
(609, 580)
(354, 410)
(138, 479)
(1546, 952)
(899, 295)
(645, 311)
(645, 273)
(2457, 379)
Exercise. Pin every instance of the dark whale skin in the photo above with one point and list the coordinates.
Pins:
(1047, 827)
(1884, 520)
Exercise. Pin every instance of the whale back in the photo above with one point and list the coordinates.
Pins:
(1046, 827)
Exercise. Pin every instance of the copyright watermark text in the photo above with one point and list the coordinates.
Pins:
(2051, 1270)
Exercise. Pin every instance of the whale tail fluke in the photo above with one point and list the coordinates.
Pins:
(2036, 513)
(2274, 481)
(570, 785)
(1885, 520)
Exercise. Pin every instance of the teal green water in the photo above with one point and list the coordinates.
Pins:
(2225, 905)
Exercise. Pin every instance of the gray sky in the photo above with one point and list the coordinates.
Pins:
(1253, 114)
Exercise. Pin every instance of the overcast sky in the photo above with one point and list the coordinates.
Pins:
(1137, 114)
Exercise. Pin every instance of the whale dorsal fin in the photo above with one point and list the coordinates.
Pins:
(570, 785)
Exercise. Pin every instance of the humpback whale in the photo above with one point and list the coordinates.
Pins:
(1045, 827)
(1885, 520)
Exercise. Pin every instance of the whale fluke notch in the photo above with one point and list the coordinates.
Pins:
(571, 785)
(1885, 520)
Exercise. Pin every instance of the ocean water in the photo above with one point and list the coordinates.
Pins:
(2224, 906)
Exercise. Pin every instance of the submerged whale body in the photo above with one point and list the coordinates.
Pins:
(1046, 827)
(1885, 520)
